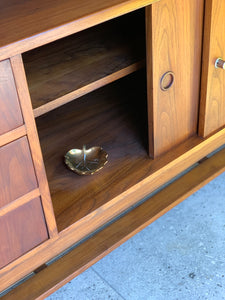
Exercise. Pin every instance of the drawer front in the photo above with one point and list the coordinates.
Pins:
(174, 50)
(17, 176)
(21, 230)
(10, 112)
(212, 106)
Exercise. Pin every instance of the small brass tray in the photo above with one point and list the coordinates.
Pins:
(86, 161)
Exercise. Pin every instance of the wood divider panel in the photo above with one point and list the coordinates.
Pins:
(19, 202)
(12, 135)
(89, 252)
(24, 97)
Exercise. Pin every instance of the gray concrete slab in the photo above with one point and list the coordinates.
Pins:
(180, 256)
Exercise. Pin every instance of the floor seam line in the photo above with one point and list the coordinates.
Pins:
(107, 283)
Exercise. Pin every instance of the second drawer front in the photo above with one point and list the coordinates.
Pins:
(10, 113)
(21, 230)
(17, 176)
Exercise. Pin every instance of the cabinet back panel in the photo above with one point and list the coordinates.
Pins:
(21, 230)
(17, 175)
(174, 43)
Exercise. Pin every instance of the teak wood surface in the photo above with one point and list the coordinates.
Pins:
(10, 112)
(114, 117)
(174, 43)
(25, 25)
(212, 107)
(17, 176)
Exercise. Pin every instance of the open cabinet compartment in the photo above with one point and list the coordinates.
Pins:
(73, 66)
(113, 117)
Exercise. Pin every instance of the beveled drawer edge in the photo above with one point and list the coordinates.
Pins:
(19, 202)
(12, 135)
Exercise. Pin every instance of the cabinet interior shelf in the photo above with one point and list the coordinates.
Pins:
(71, 67)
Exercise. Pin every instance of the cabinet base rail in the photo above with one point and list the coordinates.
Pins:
(87, 253)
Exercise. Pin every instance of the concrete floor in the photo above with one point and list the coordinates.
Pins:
(180, 256)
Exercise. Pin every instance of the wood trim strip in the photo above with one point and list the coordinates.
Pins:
(24, 97)
(84, 22)
(12, 135)
(194, 151)
(86, 254)
(19, 202)
(87, 89)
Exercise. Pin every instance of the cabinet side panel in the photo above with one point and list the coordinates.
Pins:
(21, 230)
(212, 106)
(174, 43)
(10, 113)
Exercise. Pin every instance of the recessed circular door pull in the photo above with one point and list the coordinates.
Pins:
(220, 63)
(167, 81)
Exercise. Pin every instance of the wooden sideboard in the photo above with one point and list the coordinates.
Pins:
(137, 77)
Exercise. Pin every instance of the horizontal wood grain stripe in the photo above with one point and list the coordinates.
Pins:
(12, 135)
(88, 88)
(86, 254)
(19, 202)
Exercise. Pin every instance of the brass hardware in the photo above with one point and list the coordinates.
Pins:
(86, 161)
(220, 63)
(167, 81)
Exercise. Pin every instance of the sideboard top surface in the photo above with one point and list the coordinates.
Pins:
(27, 24)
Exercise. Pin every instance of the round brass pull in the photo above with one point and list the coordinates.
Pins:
(220, 63)
(167, 81)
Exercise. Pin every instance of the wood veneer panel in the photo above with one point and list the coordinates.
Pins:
(21, 230)
(86, 254)
(25, 25)
(76, 61)
(113, 117)
(174, 43)
(10, 113)
(17, 176)
(212, 106)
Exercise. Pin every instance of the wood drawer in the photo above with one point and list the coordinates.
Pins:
(10, 112)
(17, 176)
(21, 230)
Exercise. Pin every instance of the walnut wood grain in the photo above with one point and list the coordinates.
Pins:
(76, 61)
(174, 43)
(21, 230)
(17, 176)
(24, 97)
(10, 113)
(25, 25)
(86, 254)
(212, 106)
